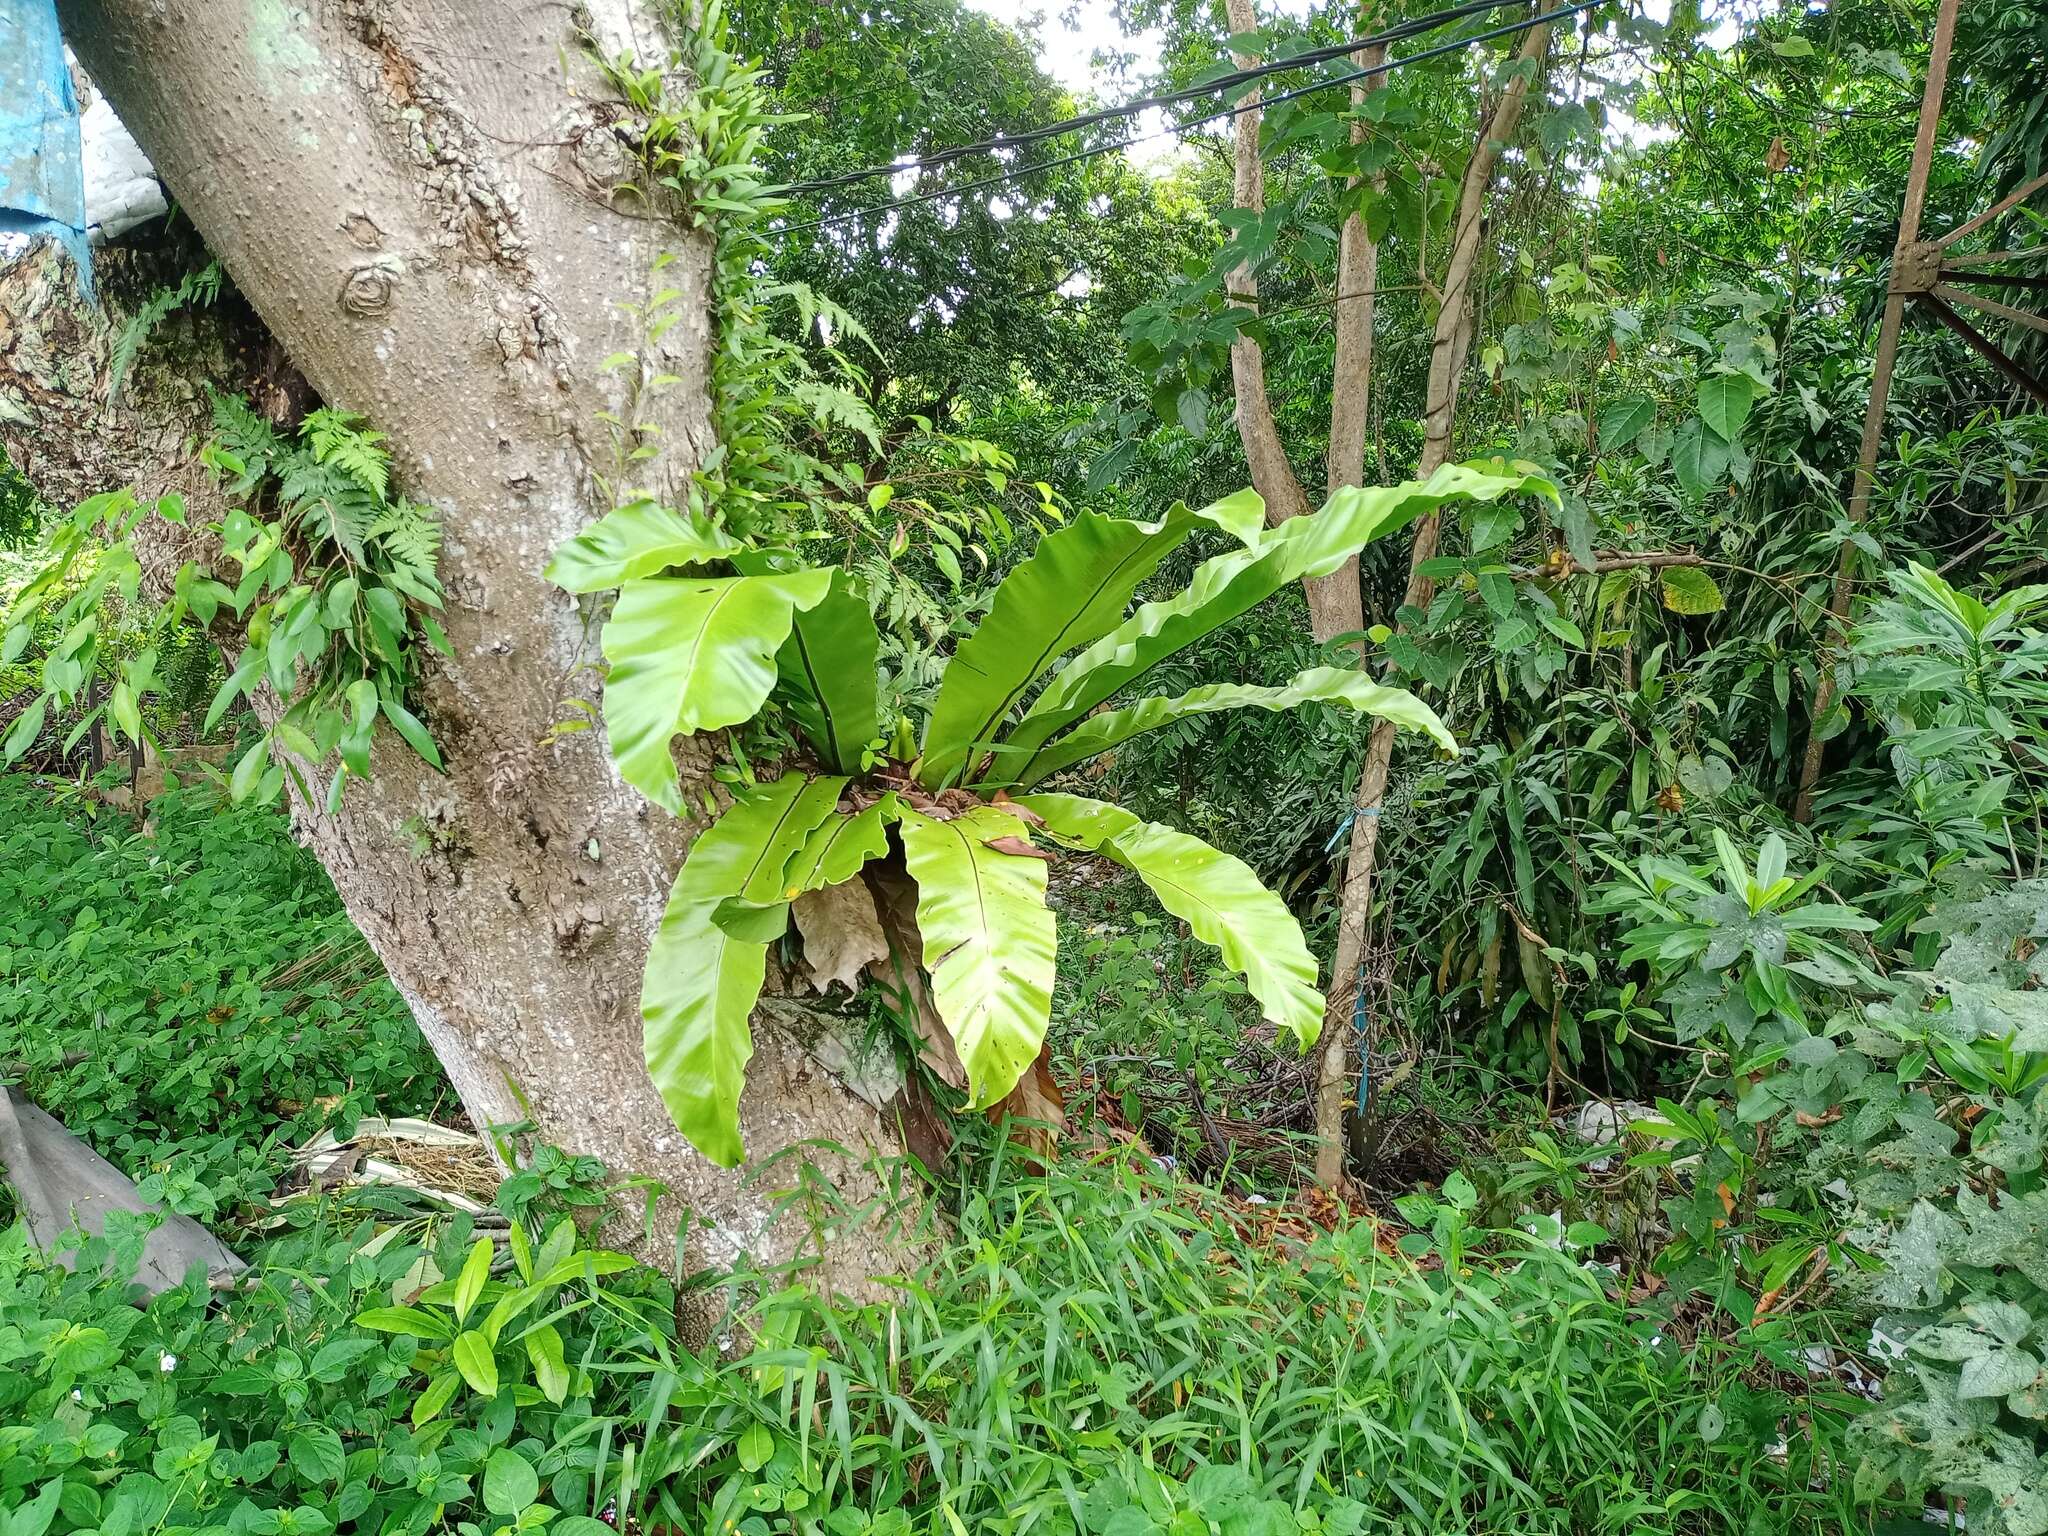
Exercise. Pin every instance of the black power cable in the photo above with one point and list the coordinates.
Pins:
(1347, 78)
(1225, 82)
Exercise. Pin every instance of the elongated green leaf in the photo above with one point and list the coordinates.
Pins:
(702, 977)
(1329, 685)
(829, 669)
(1072, 590)
(479, 1366)
(692, 655)
(746, 851)
(1229, 585)
(642, 538)
(988, 941)
(835, 851)
(700, 986)
(1217, 896)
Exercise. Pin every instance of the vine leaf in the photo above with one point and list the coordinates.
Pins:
(692, 654)
(1219, 897)
(988, 940)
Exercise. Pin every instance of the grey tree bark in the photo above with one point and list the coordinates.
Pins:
(417, 199)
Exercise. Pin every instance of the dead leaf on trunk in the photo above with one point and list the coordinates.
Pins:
(842, 934)
(1021, 849)
(1002, 802)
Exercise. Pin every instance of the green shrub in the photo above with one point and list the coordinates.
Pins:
(1101, 1351)
(189, 996)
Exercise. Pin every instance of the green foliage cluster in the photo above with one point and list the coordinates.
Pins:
(1038, 1379)
(696, 652)
(336, 592)
(188, 995)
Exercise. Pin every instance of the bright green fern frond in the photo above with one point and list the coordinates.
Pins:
(243, 434)
(339, 438)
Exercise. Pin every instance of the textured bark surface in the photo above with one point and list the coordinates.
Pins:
(416, 199)
(1450, 342)
(1333, 600)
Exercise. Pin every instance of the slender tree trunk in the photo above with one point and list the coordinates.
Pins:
(419, 202)
(1333, 600)
(1451, 340)
(1358, 268)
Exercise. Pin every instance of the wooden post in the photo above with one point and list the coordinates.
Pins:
(1905, 258)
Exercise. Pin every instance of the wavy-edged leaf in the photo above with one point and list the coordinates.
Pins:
(836, 850)
(710, 956)
(699, 989)
(692, 655)
(1229, 585)
(746, 852)
(1072, 590)
(1219, 897)
(988, 940)
(830, 669)
(642, 538)
(1327, 685)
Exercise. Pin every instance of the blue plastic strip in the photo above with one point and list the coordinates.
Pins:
(42, 183)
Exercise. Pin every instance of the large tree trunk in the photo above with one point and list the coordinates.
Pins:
(417, 200)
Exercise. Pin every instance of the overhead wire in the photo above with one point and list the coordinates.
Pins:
(1228, 81)
(1177, 129)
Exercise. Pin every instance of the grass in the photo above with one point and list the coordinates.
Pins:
(1101, 1347)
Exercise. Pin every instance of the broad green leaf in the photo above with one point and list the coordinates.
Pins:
(1328, 685)
(699, 988)
(1622, 421)
(1072, 590)
(755, 922)
(988, 941)
(1699, 458)
(642, 538)
(1220, 899)
(836, 850)
(1690, 590)
(510, 1483)
(746, 851)
(829, 671)
(479, 1366)
(1724, 403)
(692, 655)
(1231, 584)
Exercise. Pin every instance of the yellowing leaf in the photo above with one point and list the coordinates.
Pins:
(1689, 590)
(988, 941)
